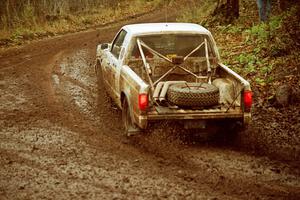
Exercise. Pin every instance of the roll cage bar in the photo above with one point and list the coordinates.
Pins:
(147, 67)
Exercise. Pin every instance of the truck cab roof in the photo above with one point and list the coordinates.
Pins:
(161, 28)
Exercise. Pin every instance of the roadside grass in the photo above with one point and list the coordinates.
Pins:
(28, 27)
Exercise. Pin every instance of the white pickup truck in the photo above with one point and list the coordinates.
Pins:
(171, 71)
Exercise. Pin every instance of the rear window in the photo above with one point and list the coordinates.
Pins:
(175, 44)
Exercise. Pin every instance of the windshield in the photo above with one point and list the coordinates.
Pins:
(175, 45)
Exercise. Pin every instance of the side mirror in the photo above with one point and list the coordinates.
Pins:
(104, 46)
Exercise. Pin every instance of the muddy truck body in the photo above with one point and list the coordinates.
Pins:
(171, 71)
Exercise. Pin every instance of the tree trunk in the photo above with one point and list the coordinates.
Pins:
(232, 9)
(8, 19)
(236, 8)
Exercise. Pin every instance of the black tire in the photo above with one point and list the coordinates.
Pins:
(193, 94)
(129, 128)
(235, 129)
(98, 72)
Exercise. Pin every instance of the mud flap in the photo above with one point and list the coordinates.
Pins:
(133, 131)
(130, 128)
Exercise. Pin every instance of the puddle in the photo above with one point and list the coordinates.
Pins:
(79, 97)
(77, 67)
(74, 78)
(55, 79)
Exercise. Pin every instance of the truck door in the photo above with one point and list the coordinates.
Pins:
(115, 62)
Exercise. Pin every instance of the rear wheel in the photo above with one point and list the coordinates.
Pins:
(230, 132)
(129, 128)
(235, 129)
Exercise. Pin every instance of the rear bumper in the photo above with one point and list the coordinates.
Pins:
(220, 114)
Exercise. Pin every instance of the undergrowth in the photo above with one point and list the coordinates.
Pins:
(266, 54)
(197, 11)
(27, 26)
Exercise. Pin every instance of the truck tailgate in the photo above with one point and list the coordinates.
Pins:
(160, 112)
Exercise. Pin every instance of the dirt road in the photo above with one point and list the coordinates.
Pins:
(60, 138)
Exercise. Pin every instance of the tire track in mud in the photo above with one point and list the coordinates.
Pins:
(63, 140)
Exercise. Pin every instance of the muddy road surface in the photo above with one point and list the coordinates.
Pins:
(60, 138)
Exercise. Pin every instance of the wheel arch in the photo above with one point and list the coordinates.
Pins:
(125, 96)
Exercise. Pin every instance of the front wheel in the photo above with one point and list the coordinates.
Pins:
(129, 128)
(98, 72)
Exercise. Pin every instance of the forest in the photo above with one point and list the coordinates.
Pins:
(13, 12)
(38, 18)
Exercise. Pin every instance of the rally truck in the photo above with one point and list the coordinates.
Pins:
(158, 72)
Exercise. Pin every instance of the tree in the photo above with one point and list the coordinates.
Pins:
(232, 9)
(228, 10)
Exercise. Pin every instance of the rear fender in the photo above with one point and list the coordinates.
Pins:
(245, 84)
(126, 95)
(131, 86)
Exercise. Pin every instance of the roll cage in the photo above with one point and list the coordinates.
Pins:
(177, 61)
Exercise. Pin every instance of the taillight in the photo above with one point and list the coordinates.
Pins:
(247, 100)
(143, 101)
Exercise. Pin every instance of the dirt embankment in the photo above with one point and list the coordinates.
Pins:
(60, 138)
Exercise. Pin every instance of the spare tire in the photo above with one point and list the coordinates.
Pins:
(193, 94)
